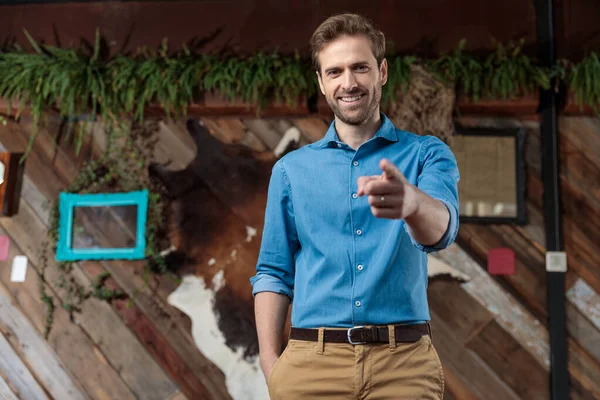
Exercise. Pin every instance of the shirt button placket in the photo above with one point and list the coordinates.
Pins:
(358, 232)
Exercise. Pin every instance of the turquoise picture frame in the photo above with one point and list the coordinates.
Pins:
(67, 203)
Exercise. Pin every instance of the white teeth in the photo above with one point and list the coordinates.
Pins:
(351, 99)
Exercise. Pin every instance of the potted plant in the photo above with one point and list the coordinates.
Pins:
(506, 83)
(582, 81)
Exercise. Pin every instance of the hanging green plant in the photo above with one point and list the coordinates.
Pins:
(509, 73)
(460, 69)
(78, 82)
(152, 77)
(53, 78)
(584, 80)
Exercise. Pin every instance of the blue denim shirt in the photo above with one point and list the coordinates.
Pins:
(322, 246)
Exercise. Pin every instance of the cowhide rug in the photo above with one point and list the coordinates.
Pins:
(218, 205)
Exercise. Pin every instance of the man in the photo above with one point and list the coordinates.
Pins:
(349, 221)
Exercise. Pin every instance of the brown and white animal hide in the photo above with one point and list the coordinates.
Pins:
(218, 203)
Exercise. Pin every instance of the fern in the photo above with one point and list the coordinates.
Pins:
(509, 73)
(584, 79)
(460, 69)
(78, 83)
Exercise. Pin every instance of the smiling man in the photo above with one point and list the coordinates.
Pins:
(348, 225)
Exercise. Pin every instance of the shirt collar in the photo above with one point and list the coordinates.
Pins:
(387, 130)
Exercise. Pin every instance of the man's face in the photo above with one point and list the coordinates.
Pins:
(350, 78)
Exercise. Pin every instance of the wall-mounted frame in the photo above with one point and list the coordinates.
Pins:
(12, 168)
(492, 168)
(102, 226)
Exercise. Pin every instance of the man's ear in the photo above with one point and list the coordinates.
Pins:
(383, 70)
(320, 82)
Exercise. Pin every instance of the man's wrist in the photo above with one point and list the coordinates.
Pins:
(416, 199)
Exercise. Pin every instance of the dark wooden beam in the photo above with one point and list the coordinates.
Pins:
(559, 381)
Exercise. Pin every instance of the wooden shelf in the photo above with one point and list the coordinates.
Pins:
(215, 106)
(522, 106)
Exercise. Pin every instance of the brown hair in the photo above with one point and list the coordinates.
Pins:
(346, 24)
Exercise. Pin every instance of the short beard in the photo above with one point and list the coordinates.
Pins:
(366, 113)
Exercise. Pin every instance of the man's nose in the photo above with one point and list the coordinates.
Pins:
(349, 81)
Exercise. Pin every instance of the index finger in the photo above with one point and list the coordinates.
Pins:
(390, 171)
(363, 180)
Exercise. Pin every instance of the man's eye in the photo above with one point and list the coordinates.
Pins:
(331, 73)
(362, 68)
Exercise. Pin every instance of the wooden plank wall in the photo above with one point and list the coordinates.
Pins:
(490, 332)
(99, 351)
(580, 174)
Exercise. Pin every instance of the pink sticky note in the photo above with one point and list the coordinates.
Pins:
(4, 243)
(501, 261)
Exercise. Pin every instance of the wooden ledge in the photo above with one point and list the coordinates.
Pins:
(214, 106)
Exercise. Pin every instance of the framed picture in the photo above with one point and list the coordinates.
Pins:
(11, 181)
(492, 169)
(102, 226)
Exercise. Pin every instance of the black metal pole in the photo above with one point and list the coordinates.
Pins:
(559, 375)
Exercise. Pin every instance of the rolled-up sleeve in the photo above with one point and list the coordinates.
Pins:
(439, 178)
(275, 267)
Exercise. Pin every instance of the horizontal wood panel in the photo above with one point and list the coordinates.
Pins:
(482, 381)
(6, 393)
(12, 368)
(463, 315)
(36, 352)
(511, 362)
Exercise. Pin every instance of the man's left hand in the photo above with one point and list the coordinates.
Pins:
(390, 194)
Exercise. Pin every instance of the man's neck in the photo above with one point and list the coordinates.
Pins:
(355, 135)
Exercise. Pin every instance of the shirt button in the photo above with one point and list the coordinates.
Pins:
(354, 196)
(357, 304)
(358, 232)
(339, 145)
(355, 163)
(360, 267)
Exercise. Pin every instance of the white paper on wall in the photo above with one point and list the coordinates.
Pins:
(19, 269)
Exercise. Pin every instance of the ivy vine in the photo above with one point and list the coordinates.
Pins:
(123, 167)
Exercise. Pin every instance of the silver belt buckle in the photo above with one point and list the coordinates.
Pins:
(350, 334)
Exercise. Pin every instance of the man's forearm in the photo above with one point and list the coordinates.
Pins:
(428, 224)
(270, 313)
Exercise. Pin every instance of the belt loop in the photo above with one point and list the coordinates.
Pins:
(429, 329)
(321, 342)
(392, 336)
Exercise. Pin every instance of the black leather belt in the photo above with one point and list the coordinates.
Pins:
(363, 335)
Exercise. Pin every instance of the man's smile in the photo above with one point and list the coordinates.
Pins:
(352, 99)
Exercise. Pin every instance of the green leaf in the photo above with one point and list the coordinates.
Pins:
(32, 42)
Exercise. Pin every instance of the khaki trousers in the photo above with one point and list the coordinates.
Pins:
(317, 370)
